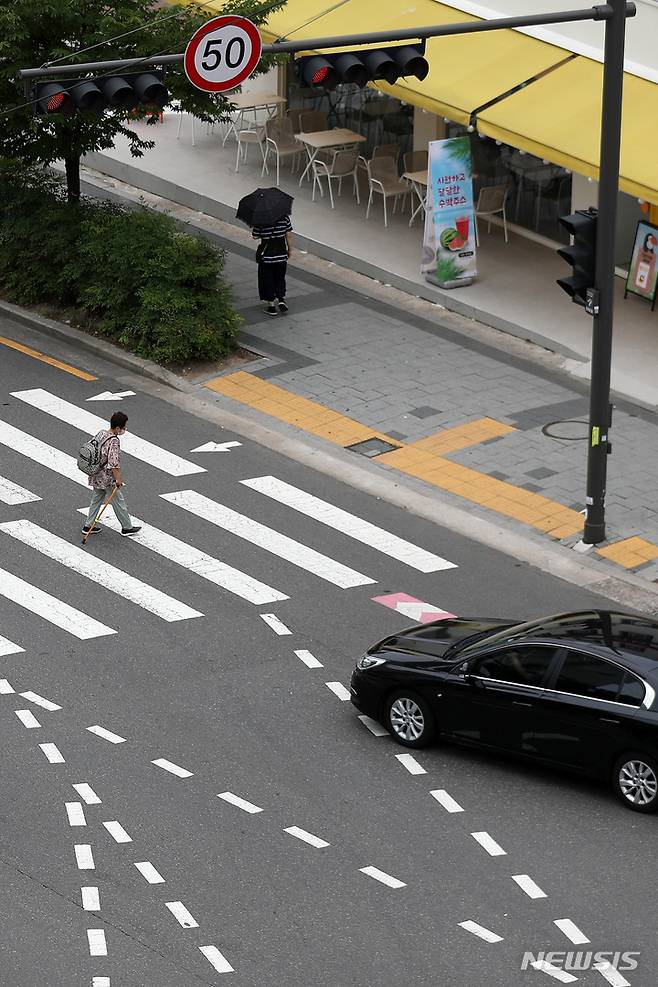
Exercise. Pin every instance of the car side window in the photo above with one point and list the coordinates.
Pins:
(586, 675)
(632, 690)
(523, 665)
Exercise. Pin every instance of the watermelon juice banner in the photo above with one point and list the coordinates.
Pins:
(449, 241)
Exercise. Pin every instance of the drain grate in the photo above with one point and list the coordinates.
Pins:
(372, 447)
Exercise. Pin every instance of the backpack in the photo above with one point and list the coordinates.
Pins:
(90, 456)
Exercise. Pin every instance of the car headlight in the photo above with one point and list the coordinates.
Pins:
(369, 661)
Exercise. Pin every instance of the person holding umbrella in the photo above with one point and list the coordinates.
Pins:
(267, 211)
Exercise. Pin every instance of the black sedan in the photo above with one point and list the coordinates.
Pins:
(576, 690)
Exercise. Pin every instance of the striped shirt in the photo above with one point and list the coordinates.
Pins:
(273, 240)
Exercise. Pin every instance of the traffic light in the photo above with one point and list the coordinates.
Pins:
(363, 66)
(581, 255)
(114, 92)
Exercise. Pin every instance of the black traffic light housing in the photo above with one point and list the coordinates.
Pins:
(363, 66)
(123, 92)
(581, 225)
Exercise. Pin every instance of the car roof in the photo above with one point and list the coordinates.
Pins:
(631, 638)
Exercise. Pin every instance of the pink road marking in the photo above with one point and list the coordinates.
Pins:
(415, 609)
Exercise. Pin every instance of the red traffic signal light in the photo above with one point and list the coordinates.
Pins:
(94, 95)
(363, 66)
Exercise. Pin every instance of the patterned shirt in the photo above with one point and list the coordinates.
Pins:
(273, 240)
(110, 459)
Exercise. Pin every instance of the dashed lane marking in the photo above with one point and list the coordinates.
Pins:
(240, 803)
(480, 931)
(446, 800)
(53, 753)
(277, 625)
(216, 959)
(117, 832)
(84, 857)
(113, 738)
(75, 814)
(174, 769)
(382, 877)
(50, 360)
(375, 728)
(338, 690)
(87, 793)
(91, 901)
(27, 718)
(571, 931)
(100, 982)
(97, 942)
(149, 873)
(309, 660)
(529, 886)
(409, 762)
(182, 915)
(554, 971)
(309, 838)
(611, 975)
(489, 844)
(38, 700)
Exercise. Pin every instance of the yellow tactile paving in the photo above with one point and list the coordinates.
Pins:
(630, 552)
(422, 459)
(50, 360)
(462, 436)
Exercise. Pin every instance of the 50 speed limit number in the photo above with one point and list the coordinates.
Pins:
(222, 54)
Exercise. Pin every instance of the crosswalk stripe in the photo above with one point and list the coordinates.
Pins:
(50, 608)
(8, 647)
(12, 493)
(268, 539)
(101, 572)
(204, 565)
(149, 453)
(348, 524)
(40, 452)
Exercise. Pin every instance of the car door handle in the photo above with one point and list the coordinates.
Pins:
(608, 719)
(515, 702)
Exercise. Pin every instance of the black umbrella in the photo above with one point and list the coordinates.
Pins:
(264, 207)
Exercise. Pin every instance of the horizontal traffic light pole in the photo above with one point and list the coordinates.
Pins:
(600, 12)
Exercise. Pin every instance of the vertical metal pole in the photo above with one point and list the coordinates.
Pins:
(599, 409)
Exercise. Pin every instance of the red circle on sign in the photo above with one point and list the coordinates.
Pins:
(206, 83)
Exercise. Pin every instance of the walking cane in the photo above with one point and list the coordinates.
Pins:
(99, 515)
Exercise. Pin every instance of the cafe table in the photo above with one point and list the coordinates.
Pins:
(418, 181)
(320, 140)
(249, 104)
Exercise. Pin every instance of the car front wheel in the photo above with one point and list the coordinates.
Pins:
(410, 719)
(635, 780)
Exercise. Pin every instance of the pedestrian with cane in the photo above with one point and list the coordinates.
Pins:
(106, 478)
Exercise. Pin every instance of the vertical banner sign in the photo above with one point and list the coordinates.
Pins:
(449, 241)
(643, 269)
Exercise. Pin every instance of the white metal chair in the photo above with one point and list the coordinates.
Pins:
(387, 151)
(247, 137)
(280, 140)
(343, 165)
(383, 179)
(491, 202)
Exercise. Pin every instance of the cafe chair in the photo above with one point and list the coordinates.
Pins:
(491, 202)
(280, 141)
(343, 165)
(383, 179)
(416, 161)
(312, 121)
(387, 151)
(247, 137)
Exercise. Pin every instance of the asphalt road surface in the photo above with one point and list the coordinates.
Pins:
(188, 798)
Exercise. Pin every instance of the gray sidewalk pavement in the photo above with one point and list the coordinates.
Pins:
(410, 369)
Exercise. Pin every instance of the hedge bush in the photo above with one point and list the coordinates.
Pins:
(130, 272)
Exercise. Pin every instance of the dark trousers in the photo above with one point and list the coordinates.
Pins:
(272, 281)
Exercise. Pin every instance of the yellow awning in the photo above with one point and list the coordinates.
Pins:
(465, 71)
(559, 118)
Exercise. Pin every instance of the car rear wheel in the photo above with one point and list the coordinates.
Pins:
(635, 780)
(410, 719)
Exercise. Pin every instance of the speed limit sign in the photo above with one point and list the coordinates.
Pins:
(222, 54)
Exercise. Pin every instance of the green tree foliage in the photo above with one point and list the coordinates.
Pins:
(36, 32)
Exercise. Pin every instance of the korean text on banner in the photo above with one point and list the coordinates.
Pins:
(449, 242)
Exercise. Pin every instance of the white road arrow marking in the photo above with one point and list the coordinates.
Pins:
(109, 396)
(216, 447)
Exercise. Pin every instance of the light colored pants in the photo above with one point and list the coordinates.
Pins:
(98, 497)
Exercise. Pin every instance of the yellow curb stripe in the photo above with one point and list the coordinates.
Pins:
(630, 552)
(51, 361)
(418, 459)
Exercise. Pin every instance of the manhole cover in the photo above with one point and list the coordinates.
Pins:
(569, 429)
(372, 447)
